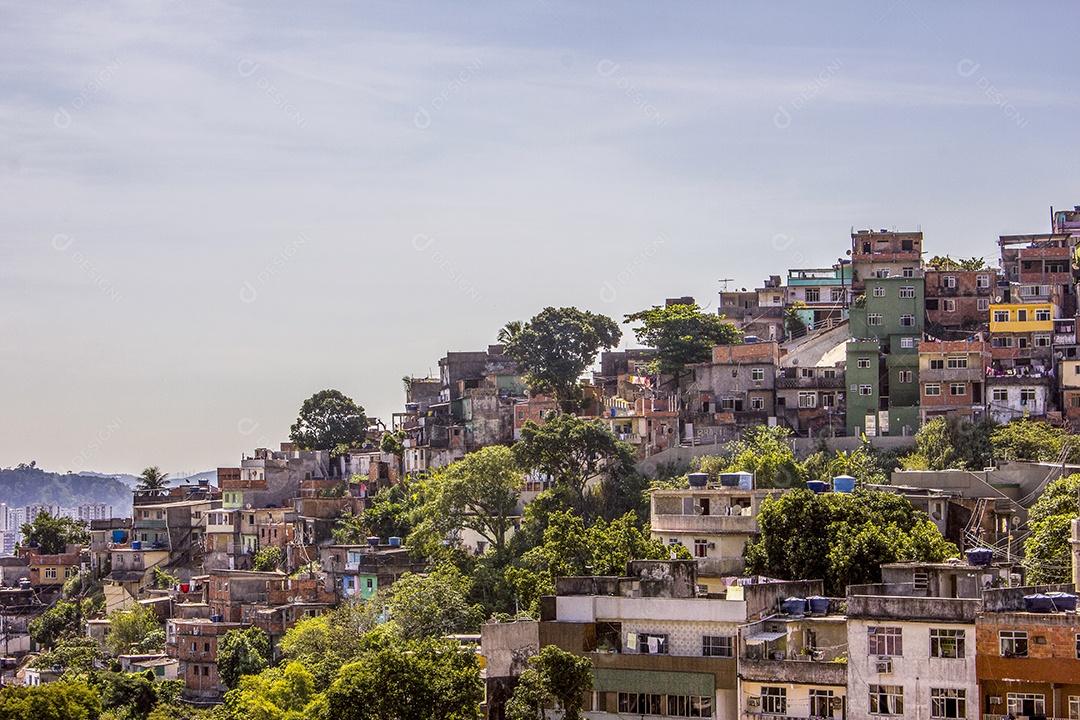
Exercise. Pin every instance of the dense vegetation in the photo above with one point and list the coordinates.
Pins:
(26, 484)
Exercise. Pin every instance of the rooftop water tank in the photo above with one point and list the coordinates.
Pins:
(746, 480)
(729, 480)
(1063, 601)
(698, 479)
(1038, 603)
(843, 484)
(793, 606)
(979, 556)
(118, 536)
(373, 542)
(395, 542)
(217, 618)
(818, 605)
(817, 486)
(136, 544)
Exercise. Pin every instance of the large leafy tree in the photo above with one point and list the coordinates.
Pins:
(682, 334)
(1034, 441)
(841, 538)
(53, 534)
(767, 453)
(556, 678)
(62, 621)
(328, 420)
(556, 346)
(131, 630)
(479, 493)
(153, 480)
(282, 693)
(953, 443)
(1047, 553)
(242, 652)
(430, 606)
(74, 700)
(572, 451)
(323, 644)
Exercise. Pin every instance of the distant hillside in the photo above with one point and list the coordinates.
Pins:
(23, 485)
(130, 480)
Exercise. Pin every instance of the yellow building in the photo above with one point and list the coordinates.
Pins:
(1022, 317)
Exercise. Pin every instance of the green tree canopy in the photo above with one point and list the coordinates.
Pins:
(133, 629)
(242, 652)
(328, 420)
(557, 678)
(430, 606)
(953, 443)
(74, 700)
(556, 346)
(1034, 441)
(53, 534)
(571, 451)
(131, 695)
(62, 621)
(1047, 552)
(153, 480)
(269, 558)
(478, 493)
(282, 693)
(73, 654)
(841, 538)
(323, 644)
(767, 452)
(682, 334)
(947, 263)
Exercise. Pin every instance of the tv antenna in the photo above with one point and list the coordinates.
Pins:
(725, 281)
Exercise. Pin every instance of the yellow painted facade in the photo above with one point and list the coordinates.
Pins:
(1022, 317)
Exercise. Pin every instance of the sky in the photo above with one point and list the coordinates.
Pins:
(210, 211)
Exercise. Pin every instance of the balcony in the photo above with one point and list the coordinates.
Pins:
(705, 524)
(808, 671)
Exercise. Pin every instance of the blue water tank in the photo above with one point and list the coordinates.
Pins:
(817, 486)
(818, 605)
(119, 536)
(746, 480)
(1038, 603)
(373, 542)
(698, 479)
(979, 556)
(1062, 601)
(136, 544)
(729, 480)
(217, 618)
(843, 484)
(793, 606)
(395, 542)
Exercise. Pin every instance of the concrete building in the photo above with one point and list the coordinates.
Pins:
(952, 378)
(194, 644)
(94, 511)
(737, 389)
(958, 301)
(820, 297)
(881, 254)
(359, 571)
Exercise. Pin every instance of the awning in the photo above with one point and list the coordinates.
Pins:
(764, 637)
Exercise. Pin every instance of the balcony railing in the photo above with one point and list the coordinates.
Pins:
(705, 523)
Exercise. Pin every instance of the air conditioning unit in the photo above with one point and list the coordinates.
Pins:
(884, 665)
(712, 546)
(754, 701)
(836, 703)
(995, 700)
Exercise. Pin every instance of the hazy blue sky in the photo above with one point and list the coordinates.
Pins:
(210, 211)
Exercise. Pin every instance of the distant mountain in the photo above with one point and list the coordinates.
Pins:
(130, 480)
(26, 484)
(210, 475)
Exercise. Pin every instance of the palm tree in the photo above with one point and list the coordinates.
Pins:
(153, 480)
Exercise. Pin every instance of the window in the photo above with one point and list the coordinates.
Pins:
(874, 318)
(1026, 704)
(932, 390)
(959, 361)
(813, 295)
(206, 647)
(718, 646)
(1021, 315)
(773, 700)
(884, 641)
(1002, 342)
(999, 395)
(945, 643)
(982, 281)
(652, 643)
(701, 548)
(948, 306)
(948, 281)
(866, 389)
(948, 703)
(864, 362)
(689, 706)
(882, 273)
(640, 703)
(1021, 342)
(905, 376)
(757, 403)
(831, 372)
(1013, 643)
(907, 321)
(807, 399)
(821, 703)
(907, 246)
(957, 389)
(836, 294)
(757, 374)
(886, 699)
(1042, 315)
(907, 291)
(1041, 341)
(879, 291)
(1074, 707)
(1027, 396)
(907, 342)
(983, 305)
(205, 670)
(50, 573)
(937, 364)
(908, 272)
(1001, 316)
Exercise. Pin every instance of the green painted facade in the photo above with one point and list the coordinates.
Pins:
(862, 371)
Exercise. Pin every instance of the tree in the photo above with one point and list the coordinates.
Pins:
(478, 492)
(556, 346)
(1047, 552)
(953, 443)
(765, 452)
(72, 654)
(282, 693)
(153, 480)
(1034, 441)
(793, 322)
(242, 652)
(62, 621)
(556, 677)
(841, 538)
(323, 644)
(74, 700)
(136, 628)
(946, 263)
(432, 605)
(682, 334)
(572, 451)
(129, 694)
(269, 558)
(53, 534)
(328, 420)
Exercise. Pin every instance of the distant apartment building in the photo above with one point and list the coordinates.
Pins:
(952, 376)
(736, 389)
(94, 511)
(884, 253)
(958, 301)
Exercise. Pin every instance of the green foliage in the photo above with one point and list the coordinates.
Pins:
(54, 534)
(841, 538)
(392, 443)
(682, 334)
(73, 654)
(429, 680)
(283, 693)
(947, 263)
(153, 480)
(329, 419)
(766, 452)
(555, 677)
(242, 652)
(572, 451)
(1047, 552)
(164, 579)
(1033, 441)
(131, 630)
(27, 484)
(555, 347)
(430, 606)
(73, 700)
(793, 323)
(324, 643)
(393, 512)
(269, 558)
(952, 443)
(478, 493)
(131, 695)
(63, 620)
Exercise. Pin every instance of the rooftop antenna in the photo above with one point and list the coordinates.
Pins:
(725, 281)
